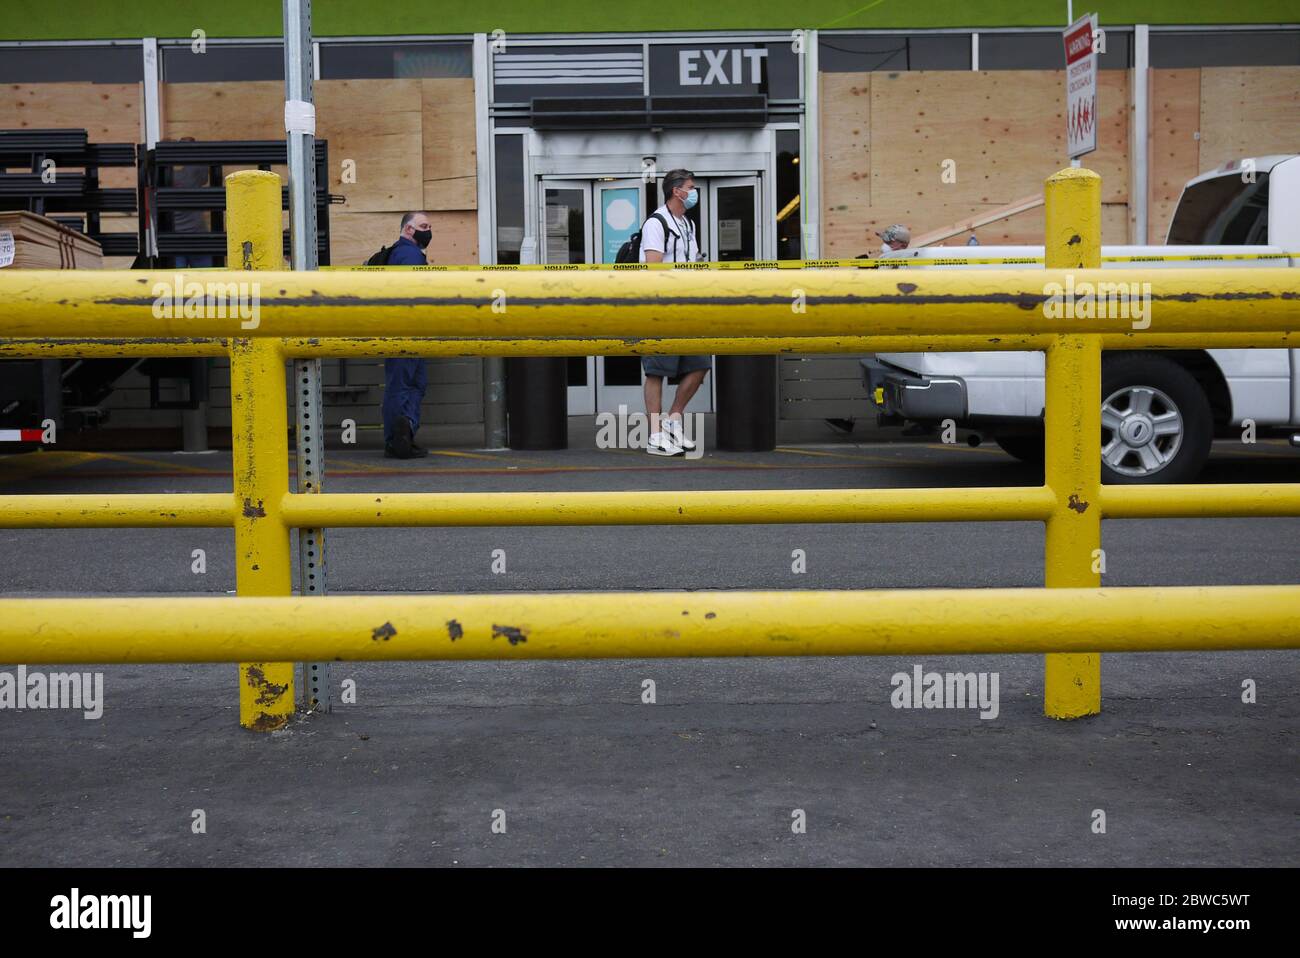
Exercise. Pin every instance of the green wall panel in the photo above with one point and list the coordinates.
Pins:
(104, 19)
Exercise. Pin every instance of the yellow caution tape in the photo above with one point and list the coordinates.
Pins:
(819, 263)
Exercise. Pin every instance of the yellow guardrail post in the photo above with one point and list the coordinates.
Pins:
(1072, 437)
(259, 440)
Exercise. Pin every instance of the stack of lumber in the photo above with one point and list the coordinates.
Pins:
(28, 241)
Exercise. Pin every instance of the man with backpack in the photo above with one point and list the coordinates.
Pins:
(668, 236)
(405, 380)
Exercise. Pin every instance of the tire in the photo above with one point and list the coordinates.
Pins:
(1156, 421)
(1025, 448)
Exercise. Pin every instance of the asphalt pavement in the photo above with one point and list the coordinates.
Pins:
(563, 763)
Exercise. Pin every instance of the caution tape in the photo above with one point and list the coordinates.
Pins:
(799, 264)
(1198, 257)
(636, 267)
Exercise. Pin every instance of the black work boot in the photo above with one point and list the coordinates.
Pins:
(403, 445)
(413, 451)
(399, 447)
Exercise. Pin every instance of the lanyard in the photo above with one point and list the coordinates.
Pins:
(683, 233)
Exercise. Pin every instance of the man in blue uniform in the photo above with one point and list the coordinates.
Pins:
(405, 380)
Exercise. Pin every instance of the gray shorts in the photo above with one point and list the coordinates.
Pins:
(673, 368)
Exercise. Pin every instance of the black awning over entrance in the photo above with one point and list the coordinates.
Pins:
(647, 112)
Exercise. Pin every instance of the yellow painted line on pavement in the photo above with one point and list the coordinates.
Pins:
(355, 465)
(166, 464)
(813, 452)
(371, 465)
(869, 459)
(480, 455)
(23, 465)
(964, 447)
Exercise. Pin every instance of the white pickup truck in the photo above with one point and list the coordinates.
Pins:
(1160, 409)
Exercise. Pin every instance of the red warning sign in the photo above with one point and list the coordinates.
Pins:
(1081, 85)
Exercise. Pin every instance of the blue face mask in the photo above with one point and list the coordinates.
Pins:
(692, 198)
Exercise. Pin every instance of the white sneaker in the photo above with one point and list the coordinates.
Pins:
(673, 428)
(662, 444)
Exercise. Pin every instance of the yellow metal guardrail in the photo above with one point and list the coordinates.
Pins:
(629, 313)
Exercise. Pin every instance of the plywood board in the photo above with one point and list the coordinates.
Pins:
(1175, 149)
(108, 112)
(1027, 229)
(376, 124)
(354, 237)
(846, 163)
(118, 223)
(377, 127)
(223, 111)
(1248, 111)
(450, 150)
(1001, 133)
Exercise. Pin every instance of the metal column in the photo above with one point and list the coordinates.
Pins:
(810, 164)
(494, 367)
(152, 130)
(309, 435)
(1140, 135)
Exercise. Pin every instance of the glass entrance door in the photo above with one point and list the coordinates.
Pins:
(566, 238)
(620, 207)
(587, 220)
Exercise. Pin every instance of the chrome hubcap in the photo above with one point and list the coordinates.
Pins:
(1141, 431)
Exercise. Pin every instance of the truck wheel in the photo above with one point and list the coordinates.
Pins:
(1156, 424)
(1025, 448)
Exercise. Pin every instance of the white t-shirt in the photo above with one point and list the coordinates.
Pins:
(679, 246)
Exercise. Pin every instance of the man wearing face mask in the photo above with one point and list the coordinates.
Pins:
(405, 380)
(668, 236)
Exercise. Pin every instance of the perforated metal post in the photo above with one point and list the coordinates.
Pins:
(299, 73)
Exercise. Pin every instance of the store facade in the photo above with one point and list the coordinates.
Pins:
(582, 136)
(543, 138)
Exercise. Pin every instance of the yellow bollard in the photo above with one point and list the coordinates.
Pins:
(1072, 426)
(259, 439)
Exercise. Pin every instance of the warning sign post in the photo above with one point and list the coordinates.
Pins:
(1081, 86)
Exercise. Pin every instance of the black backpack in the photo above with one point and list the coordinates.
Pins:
(630, 251)
(381, 258)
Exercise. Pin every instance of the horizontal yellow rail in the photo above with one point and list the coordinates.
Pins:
(678, 508)
(1202, 501)
(640, 305)
(277, 315)
(638, 625)
(686, 507)
(125, 510)
(388, 347)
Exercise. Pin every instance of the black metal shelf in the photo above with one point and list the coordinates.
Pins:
(101, 201)
(70, 192)
(159, 197)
